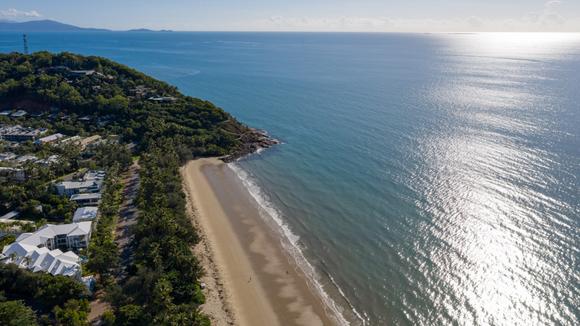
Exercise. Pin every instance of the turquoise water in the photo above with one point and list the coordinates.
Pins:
(432, 179)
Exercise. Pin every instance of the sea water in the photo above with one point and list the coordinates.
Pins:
(428, 179)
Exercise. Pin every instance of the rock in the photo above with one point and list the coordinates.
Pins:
(252, 141)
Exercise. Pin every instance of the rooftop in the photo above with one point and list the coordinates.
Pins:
(50, 139)
(7, 156)
(85, 196)
(19, 113)
(85, 213)
(75, 184)
(30, 251)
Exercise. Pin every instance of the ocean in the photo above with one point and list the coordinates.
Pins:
(428, 179)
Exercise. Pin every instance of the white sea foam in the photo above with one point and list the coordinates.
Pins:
(290, 243)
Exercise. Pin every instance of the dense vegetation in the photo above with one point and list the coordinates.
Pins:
(167, 128)
(102, 251)
(48, 294)
(36, 190)
(163, 286)
(117, 95)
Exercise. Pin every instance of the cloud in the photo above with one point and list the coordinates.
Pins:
(550, 16)
(547, 18)
(475, 22)
(326, 23)
(15, 13)
(552, 4)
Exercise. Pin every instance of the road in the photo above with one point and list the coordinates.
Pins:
(128, 214)
(123, 237)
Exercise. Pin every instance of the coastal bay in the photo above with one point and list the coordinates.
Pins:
(262, 284)
(424, 178)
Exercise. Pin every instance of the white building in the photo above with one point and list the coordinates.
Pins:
(72, 236)
(19, 114)
(51, 160)
(49, 139)
(88, 213)
(42, 250)
(42, 259)
(69, 188)
(26, 158)
(7, 156)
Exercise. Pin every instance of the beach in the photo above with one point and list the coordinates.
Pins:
(251, 279)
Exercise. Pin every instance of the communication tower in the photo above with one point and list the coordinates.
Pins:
(25, 39)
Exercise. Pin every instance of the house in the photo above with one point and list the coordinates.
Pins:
(86, 199)
(16, 174)
(88, 213)
(42, 259)
(89, 140)
(68, 188)
(26, 158)
(97, 176)
(20, 134)
(49, 139)
(71, 140)
(43, 249)
(19, 114)
(80, 73)
(72, 236)
(37, 114)
(7, 157)
(51, 160)
(162, 99)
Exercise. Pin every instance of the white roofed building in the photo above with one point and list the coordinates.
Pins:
(19, 114)
(7, 156)
(88, 213)
(72, 236)
(42, 250)
(49, 139)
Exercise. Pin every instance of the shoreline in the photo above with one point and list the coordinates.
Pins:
(251, 279)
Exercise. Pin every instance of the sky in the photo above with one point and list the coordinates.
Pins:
(306, 15)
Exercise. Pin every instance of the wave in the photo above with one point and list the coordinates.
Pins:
(290, 242)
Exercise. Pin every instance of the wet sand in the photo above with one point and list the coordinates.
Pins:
(257, 281)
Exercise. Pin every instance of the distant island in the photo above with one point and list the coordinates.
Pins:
(52, 26)
(146, 30)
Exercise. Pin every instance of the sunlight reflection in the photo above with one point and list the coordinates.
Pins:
(528, 45)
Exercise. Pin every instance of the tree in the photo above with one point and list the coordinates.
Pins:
(130, 315)
(16, 313)
(74, 313)
(108, 318)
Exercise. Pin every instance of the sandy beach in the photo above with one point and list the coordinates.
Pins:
(250, 279)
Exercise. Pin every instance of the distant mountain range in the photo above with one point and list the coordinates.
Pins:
(52, 26)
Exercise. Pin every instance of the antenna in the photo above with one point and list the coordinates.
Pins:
(25, 39)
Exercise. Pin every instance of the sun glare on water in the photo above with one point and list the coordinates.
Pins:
(493, 257)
